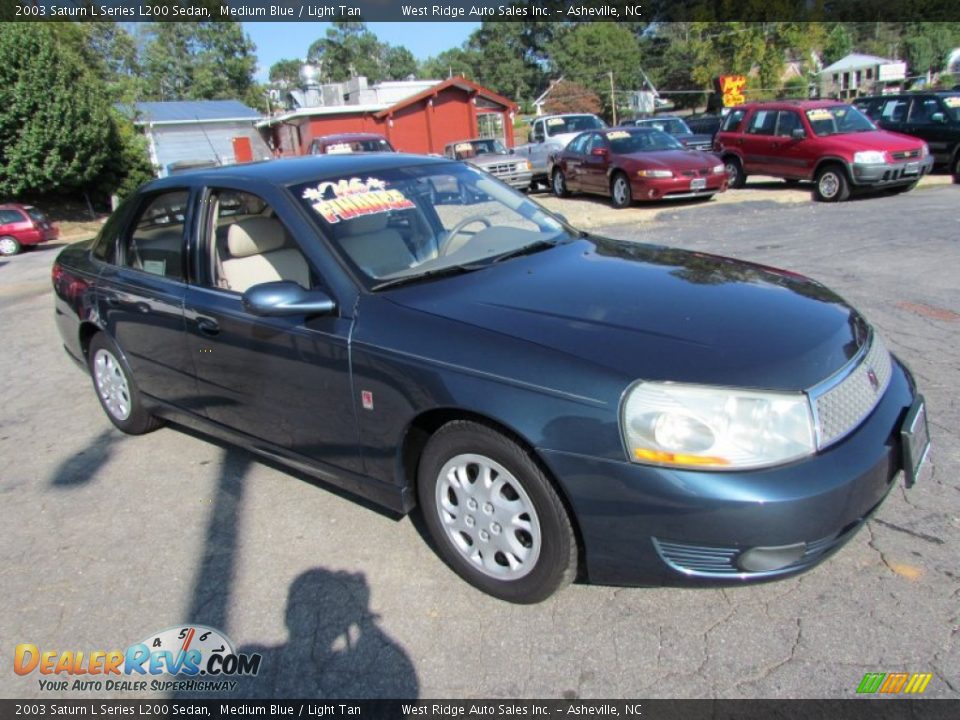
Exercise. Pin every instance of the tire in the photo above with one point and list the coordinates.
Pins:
(621, 194)
(955, 168)
(831, 184)
(9, 246)
(116, 389)
(558, 183)
(467, 509)
(736, 177)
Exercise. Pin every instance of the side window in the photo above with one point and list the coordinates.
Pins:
(105, 246)
(871, 108)
(536, 135)
(595, 141)
(578, 144)
(731, 123)
(788, 122)
(8, 217)
(894, 111)
(247, 244)
(763, 122)
(154, 242)
(922, 110)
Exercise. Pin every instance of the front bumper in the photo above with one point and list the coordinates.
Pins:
(676, 188)
(518, 180)
(644, 525)
(898, 173)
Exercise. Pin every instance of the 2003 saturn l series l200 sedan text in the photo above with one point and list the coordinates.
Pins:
(419, 333)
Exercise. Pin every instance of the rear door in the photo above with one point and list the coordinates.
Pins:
(759, 141)
(284, 380)
(141, 292)
(928, 119)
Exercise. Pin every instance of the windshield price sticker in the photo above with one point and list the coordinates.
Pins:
(339, 148)
(556, 121)
(618, 135)
(952, 102)
(463, 147)
(347, 199)
(819, 114)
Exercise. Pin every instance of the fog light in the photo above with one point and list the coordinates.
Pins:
(765, 559)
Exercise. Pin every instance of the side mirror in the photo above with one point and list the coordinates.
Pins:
(938, 117)
(285, 297)
(798, 134)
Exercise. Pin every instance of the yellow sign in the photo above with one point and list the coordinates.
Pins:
(618, 135)
(732, 87)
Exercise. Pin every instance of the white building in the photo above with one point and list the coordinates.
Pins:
(858, 74)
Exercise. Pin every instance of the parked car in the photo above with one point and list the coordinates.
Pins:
(931, 116)
(628, 164)
(350, 143)
(829, 142)
(491, 156)
(548, 136)
(674, 126)
(704, 123)
(553, 402)
(23, 226)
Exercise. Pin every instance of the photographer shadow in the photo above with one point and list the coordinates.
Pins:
(335, 647)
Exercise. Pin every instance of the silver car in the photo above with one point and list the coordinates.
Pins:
(491, 156)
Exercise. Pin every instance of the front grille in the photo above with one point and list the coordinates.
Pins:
(842, 405)
(905, 155)
(504, 168)
(716, 561)
(696, 173)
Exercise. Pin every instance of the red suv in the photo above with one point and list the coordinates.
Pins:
(831, 143)
(23, 225)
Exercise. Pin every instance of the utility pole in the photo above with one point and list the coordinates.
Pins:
(613, 100)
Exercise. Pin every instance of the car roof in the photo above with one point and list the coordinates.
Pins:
(291, 171)
(335, 137)
(795, 104)
(15, 206)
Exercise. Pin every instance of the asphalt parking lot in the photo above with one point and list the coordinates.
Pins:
(110, 539)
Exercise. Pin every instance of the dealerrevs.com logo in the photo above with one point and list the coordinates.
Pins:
(202, 658)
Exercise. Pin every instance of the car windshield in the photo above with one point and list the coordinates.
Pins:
(624, 142)
(674, 126)
(572, 123)
(355, 146)
(408, 223)
(838, 120)
(475, 148)
(952, 104)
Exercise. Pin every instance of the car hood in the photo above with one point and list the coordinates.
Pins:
(648, 312)
(877, 140)
(695, 139)
(672, 159)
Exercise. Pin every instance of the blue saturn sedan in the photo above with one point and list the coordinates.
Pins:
(557, 405)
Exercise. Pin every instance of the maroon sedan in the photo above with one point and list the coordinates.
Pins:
(22, 225)
(628, 164)
(350, 143)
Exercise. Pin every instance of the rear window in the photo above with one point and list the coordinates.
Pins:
(8, 217)
(572, 123)
(356, 146)
(36, 215)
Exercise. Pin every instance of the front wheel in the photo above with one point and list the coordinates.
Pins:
(494, 516)
(736, 177)
(621, 194)
(832, 185)
(956, 168)
(116, 389)
(559, 184)
(9, 245)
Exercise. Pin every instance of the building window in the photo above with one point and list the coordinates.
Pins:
(490, 125)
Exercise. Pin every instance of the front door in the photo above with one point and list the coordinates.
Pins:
(285, 380)
(789, 155)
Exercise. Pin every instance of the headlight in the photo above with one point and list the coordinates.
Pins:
(655, 173)
(528, 165)
(696, 426)
(869, 157)
(719, 169)
(924, 150)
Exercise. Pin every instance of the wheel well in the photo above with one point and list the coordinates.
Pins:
(831, 161)
(425, 425)
(87, 331)
(728, 156)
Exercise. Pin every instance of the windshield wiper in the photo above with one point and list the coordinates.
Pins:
(439, 272)
(525, 250)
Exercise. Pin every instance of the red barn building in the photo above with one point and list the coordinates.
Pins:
(455, 109)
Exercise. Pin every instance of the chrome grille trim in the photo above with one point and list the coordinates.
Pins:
(842, 402)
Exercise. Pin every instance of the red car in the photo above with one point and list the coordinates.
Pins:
(829, 142)
(22, 225)
(350, 143)
(628, 164)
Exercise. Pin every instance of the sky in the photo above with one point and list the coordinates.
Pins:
(277, 41)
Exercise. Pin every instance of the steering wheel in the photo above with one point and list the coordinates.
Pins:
(457, 229)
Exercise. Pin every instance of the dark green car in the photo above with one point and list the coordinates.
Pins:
(931, 116)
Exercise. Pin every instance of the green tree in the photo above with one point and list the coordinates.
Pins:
(837, 45)
(455, 61)
(285, 72)
(55, 124)
(503, 60)
(349, 49)
(400, 63)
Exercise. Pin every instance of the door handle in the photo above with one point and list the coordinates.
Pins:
(111, 299)
(208, 326)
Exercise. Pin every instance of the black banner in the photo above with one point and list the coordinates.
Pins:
(856, 709)
(479, 10)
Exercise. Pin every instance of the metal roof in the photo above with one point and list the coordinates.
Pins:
(194, 111)
(856, 61)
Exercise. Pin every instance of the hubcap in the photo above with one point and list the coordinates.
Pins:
(488, 517)
(7, 246)
(620, 191)
(111, 384)
(829, 185)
